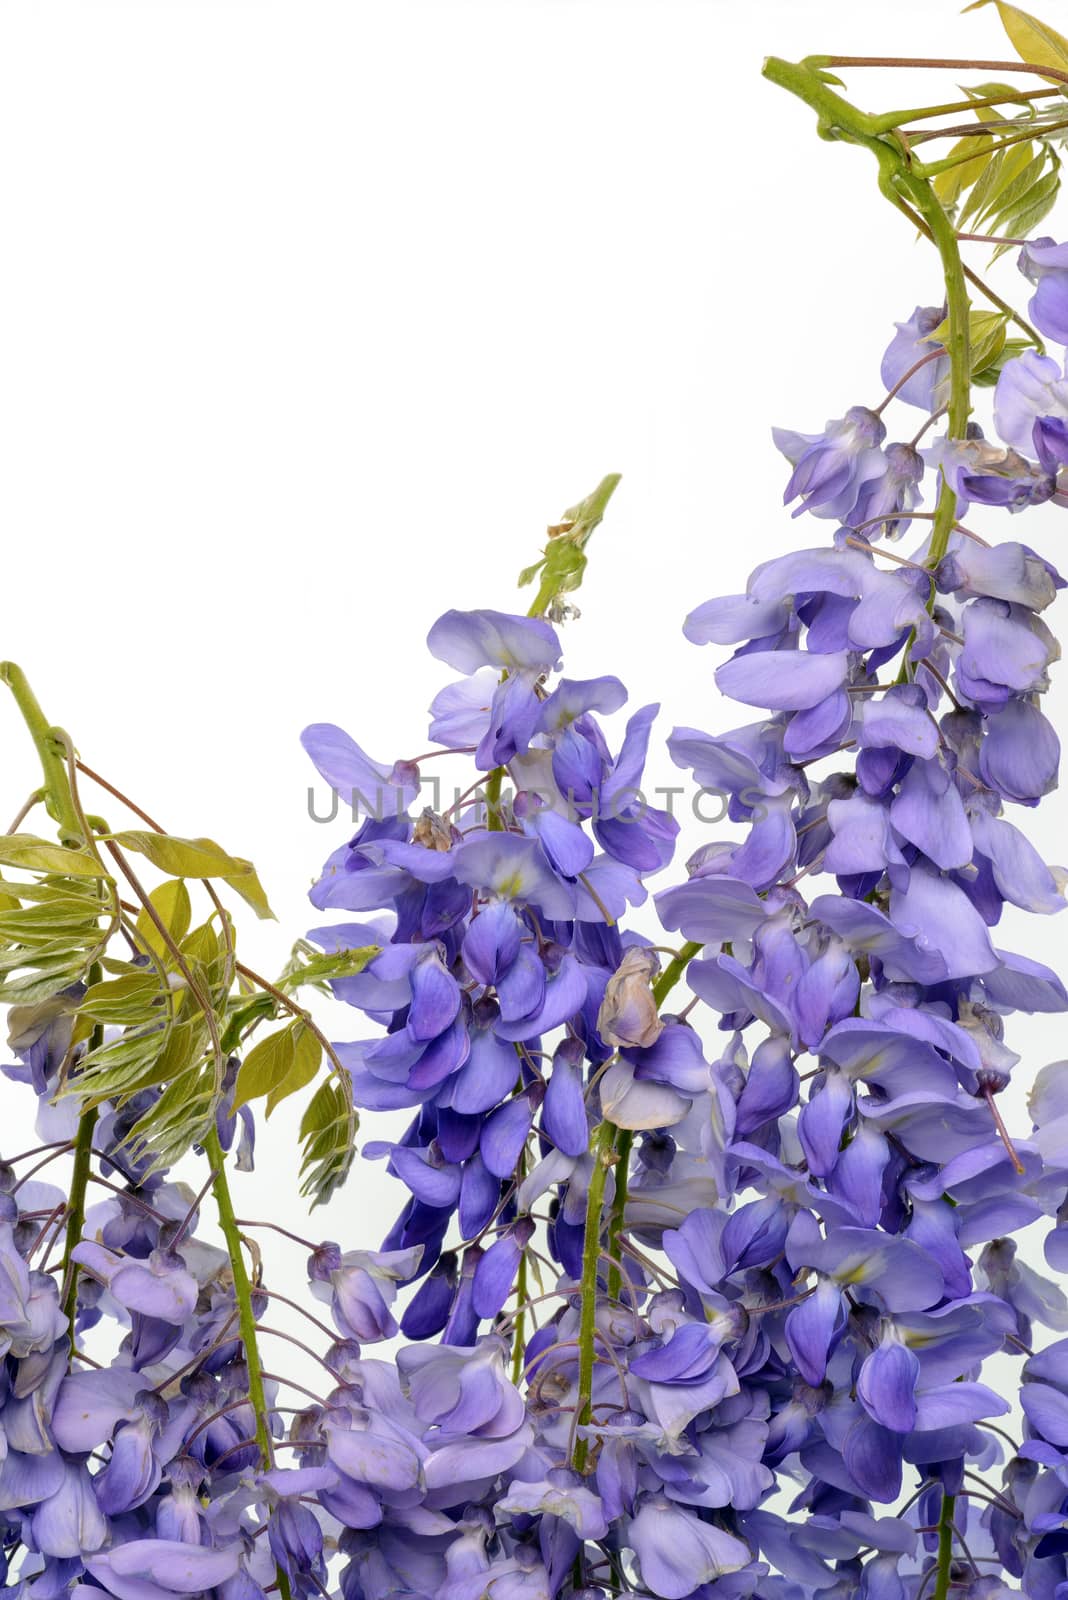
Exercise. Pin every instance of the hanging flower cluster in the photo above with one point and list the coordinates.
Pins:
(705, 1281)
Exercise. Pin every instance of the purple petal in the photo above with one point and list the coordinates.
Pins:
(468, 640)
(711, 910)
(634, 1103)
(887, 1386)
(677, 1552)
(514, 868)
(1020, 754)
(694, 1249)
(822, 1121)
(144, 1568)
(771, 1086)
(1020, 874)
(435, 998)
(953, 1404)
(686, 1357)
(929, 813)
(858, 1173)
(505, 1135)
(479, 1193)
(495, 1275)
(563, 1112)
(1046, 1409)
(782, 680)
(491, 943)
(872, 1455)
(734, 618)
(361, 782)
(812, 1327)
(942, 921)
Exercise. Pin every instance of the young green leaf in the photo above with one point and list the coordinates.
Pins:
(131, 1001)
(321, 969)
(951, 184)
(307, 1056)
(328, 1135)
(38, 855)
(278, 1065)
(1034, 42)
(172, 905)
(197, 858)
(986, 337)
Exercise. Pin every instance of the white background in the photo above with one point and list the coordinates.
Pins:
(315, 315)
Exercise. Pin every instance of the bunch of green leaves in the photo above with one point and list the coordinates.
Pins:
(1005, 179)
(58, 910)
(162, 1010)
(1003, 182)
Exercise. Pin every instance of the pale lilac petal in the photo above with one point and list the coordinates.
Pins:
(468, 640)
(782, 680)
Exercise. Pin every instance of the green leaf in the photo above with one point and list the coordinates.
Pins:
(986, 332)
(118, 1069)
(197, 858)
(989, 181)
(1014, 187)
(307, 1056)
(245, 1013)
(181, 858)
(202, 945)
(951, 184)
(38, 855)
(321, 1111)
(84, 891)
(1022, 219)
(28, 925)
(47, 977)
(145, 1062)
(988, 338)
(134, 1000)
(277, 1065)
(178, 1119)
(328, 1134)
(1034, 42)
(172, 905)
(251, 890)
(990, 373)
(328, 968)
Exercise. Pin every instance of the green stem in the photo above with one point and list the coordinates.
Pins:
(900, 180)
(603, 1158)
(578, 524)
(246, 1317)
(623, 1144)
(518, 1338)
(898, 119)
(931, 169)
(242, 1292)
(51, 745)
(958, 345)
(79, 1183)
(979, 283)
(838, 119)
(674, 971)
(945, 1547)
(494, 821)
